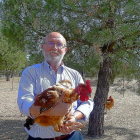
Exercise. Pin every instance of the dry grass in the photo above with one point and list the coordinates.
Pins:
(121, 122)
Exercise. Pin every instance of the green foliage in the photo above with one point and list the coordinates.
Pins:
(11, 56)
(83, 23)
(35, 58)
(125, 65)
(88, 59)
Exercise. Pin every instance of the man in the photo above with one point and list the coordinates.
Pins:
(35, 79)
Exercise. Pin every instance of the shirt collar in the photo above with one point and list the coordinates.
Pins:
(48, 67)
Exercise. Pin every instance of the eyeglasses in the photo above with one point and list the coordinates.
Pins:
(58, 45)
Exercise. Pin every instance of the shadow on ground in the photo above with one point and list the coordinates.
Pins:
(12, 130)
(120, 134)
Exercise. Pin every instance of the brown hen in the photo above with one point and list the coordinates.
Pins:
(48, 98)
(109, 103)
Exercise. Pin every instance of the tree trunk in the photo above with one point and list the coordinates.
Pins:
(83, 74)
(7, 75)
(96, 121)
(12, 73)
(138, 91)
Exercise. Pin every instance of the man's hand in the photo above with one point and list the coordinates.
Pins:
(60, 109)
(34, 110)
(71, 125)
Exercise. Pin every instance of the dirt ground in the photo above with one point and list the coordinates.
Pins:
(122, 122)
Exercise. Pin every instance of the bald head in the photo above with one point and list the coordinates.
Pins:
(54, 35)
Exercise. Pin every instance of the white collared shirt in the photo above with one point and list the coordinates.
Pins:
(37, 78)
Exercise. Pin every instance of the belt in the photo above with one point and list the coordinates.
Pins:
(62, 137)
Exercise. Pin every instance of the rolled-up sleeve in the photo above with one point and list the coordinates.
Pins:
(25, 94)
(85, 107)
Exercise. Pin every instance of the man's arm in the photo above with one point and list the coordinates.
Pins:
(60, 109)
(25, 94)
(85, 108)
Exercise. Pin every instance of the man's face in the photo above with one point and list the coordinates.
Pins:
(52, 53)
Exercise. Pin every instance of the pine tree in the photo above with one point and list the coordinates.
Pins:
(11, 57)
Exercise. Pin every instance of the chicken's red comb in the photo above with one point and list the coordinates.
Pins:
(88, 83)
(110, 98)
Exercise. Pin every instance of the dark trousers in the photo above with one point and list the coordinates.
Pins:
(74, 136)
